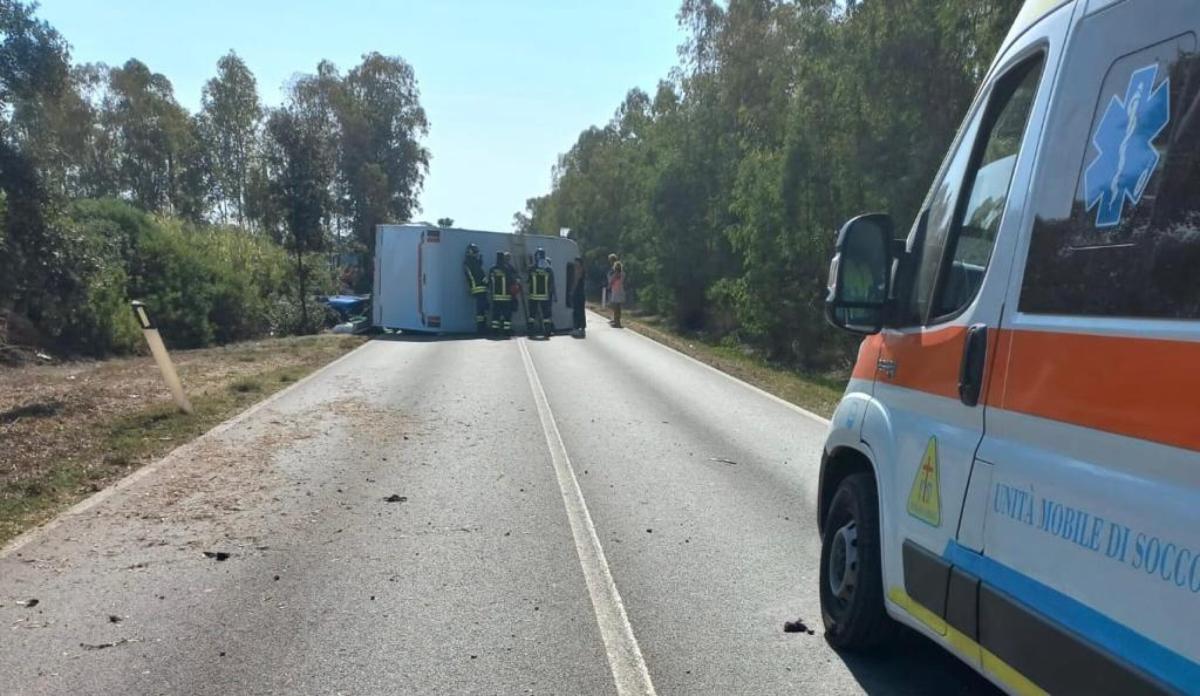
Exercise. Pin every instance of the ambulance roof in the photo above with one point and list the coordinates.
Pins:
(1031, 12)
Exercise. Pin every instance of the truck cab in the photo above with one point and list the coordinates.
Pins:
(1014, 470)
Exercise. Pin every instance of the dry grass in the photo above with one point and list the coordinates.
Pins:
(69, 430)
(817, 393)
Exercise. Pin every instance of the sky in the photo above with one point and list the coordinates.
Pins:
(507, 85)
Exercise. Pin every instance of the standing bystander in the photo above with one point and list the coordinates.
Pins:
(576, 298)
(616, 291)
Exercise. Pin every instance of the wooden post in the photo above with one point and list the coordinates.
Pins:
(159, 351)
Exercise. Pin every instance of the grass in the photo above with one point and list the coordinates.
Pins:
(819, 393)
(96, 450)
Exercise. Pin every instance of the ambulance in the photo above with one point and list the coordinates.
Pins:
(1014, 470)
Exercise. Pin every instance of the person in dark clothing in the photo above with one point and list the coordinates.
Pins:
(500, 280)
(576, 299)
(542, 294)
(477, 286)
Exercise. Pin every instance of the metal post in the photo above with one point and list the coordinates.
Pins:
(159, 351)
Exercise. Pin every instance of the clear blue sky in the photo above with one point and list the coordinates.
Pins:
(507, 84)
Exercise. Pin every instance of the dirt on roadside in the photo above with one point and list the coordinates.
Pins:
(70, 429)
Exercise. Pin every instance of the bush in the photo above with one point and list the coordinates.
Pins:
(204, 284)
(86, 311)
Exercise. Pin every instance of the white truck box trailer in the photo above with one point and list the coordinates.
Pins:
(420, 284)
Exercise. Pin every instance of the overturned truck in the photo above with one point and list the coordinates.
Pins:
(420, 284)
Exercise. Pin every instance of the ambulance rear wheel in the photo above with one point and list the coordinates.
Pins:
(851, 574)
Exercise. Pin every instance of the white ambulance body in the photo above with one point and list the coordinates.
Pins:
(420, 284)
(1014, 470)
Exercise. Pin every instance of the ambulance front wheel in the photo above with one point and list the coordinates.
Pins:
(851, 574)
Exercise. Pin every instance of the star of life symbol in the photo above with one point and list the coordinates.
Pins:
(1124, 142)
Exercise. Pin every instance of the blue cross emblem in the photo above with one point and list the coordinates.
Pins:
(1124, 143)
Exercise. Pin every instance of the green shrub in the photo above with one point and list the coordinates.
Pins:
(249, 272)
(203, 284)
(84, 310)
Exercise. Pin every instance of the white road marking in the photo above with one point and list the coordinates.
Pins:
(624, 656)
(803, 411)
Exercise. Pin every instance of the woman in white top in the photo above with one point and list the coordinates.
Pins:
(616, 291)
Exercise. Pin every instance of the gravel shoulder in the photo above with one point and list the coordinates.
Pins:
(68, 430)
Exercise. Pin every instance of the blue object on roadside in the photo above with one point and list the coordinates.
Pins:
(348, 305)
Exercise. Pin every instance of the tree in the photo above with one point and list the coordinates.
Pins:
(445, 222)
(33, 71)
(230, 117)
(382, 162)
(300, 184)
(782, 119)
(156, 141)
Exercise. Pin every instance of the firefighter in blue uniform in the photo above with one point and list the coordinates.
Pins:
(542, 294)
(477, 286)
(500, 280)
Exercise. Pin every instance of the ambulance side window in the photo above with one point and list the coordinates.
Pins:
(967, 205)
(986, 190)
(1127, 242)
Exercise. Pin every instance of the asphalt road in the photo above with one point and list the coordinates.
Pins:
(567, 516)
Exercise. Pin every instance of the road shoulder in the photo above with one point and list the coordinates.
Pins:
(74, 430)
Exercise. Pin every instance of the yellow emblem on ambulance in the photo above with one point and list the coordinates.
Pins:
(925, 498)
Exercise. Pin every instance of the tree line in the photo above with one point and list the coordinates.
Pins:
(724, 188)
(100, 167)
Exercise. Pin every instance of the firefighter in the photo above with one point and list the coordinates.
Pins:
(477, 286)
(542, 293)
(500, 279)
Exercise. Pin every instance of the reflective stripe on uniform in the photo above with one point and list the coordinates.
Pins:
(500, 287)
(476, 287)
(541, 285)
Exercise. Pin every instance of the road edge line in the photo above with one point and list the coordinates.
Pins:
(27, 537)
(763, 392)
(624, 655)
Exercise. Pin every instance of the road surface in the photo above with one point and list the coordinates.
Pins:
(566, 517)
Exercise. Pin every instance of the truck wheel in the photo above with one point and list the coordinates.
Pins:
(851, 574)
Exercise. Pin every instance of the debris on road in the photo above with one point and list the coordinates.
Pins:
(218, 555)
(28, 603)
(394, 498)
(722, 460)
(796, 626)
(102, 646)
(113, 618)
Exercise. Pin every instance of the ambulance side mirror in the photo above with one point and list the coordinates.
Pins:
(860, 274)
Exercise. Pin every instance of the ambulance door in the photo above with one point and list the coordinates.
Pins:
(933, 363)
(429, 279)
(1090, 572)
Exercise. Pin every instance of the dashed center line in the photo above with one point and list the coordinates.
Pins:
(624, 655)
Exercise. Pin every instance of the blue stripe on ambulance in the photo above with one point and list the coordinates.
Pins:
(1156, 659)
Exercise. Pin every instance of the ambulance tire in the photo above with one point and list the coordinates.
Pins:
(857, 620)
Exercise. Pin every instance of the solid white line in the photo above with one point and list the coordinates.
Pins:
(179, 452)
(624, 656)
(784, 402)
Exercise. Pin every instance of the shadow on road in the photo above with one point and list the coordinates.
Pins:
(913, 664)
(417, 337)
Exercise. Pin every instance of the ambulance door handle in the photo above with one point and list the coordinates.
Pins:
(970, 371)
